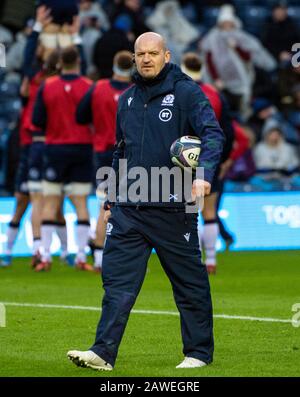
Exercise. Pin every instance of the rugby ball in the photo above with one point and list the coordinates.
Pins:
(185, 151)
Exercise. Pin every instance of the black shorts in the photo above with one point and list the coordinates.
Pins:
(35, 162)
(68, 163)
(21, 183)
(102, 159)
(217, 184)
(62, 11)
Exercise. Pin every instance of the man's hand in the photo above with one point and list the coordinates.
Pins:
(219, 84)
(232, 43)
(43, 15)
(200, 188)
(75, 27)
(107, 215)
(285, 56)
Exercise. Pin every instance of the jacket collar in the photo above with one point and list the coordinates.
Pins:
(163, 83)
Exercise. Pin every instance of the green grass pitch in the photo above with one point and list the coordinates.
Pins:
(253, 284)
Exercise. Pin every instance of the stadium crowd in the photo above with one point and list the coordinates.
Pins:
(241, 48)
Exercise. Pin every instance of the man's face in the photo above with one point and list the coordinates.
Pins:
(85, 5)
(133, 4)
(227, 26)
(274, 138)
(150, 57)
(280, 14)
(265, 113)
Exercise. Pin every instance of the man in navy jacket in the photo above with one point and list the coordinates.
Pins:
(161, 106)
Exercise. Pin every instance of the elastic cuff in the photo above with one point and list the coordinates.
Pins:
(210, 221)
(83, 223)
(48, 223)
(15, 225)
(208, 175)
(61, 224)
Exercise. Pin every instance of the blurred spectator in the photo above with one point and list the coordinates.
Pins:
(134, 11)
(230, 56)
(15, 55)
(62, 11)
(243, 167)
(275, 157)
(263, 110)
(90, 9)
(280, 33)
(114, 40)
(6, 37)
(293, 115)
(93, 22)
(62, 14)
(288, 78)
(168, 20)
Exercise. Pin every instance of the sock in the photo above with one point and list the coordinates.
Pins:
(61, 231)
(200, 231)
(98, 256)
(83, 228)
(210, 235)
(47, 230)
(37, 242)
(12, 233)
(92, 233)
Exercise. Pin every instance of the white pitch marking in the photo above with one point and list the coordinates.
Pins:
(159, 312)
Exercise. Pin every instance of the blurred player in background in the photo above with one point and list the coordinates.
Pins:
(21, 192)
(40, 63)
(191, 65)
(35, 156)
(68, 153)
(99, 107)
(36, 67)
(57, 32)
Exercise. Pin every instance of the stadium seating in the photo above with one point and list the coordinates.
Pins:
(254, 17)
(10, 103)
(210, 15)
(190, 12)
(294, 13)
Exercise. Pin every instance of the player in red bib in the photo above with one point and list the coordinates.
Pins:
(68, 153)
(191, 65)
(99, 107)
(29, 168)
(21, 192)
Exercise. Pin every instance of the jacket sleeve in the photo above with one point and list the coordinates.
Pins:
(119, 146)
(84, 113)
(39, 115)
(83, 61)
(119, 152)
(29, 67)
(204, 124)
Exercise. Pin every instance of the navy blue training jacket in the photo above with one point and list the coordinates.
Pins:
(152, 114)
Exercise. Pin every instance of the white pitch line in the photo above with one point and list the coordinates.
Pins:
(166, 313)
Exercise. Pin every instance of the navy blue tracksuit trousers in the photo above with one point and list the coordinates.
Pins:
(131, 234)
